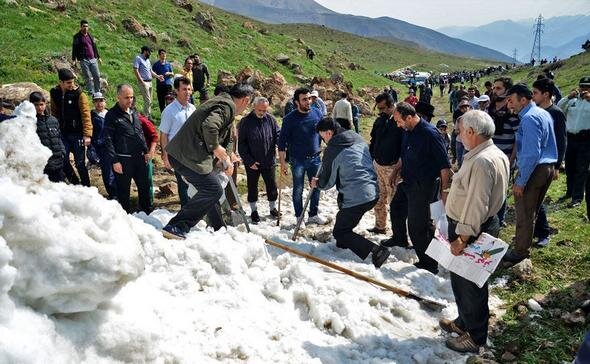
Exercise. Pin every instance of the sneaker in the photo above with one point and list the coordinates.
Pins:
(254, 217)
(543, 242)
(574, 203)
(379, 255)
(376, 230)
(450, 326)
(275, 213)
(463, 344)
(173, 232)
(317, 219)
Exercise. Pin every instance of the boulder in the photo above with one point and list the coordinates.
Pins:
(278, 79)
(164, 37)
(206, 21)
(282, 59)
(245, 75)
(296, 68)
(248, 25)
(185, 4)
(523, 269)
(184, 43)
(225, 78)
(133, 26)
(168, 189)
(263, 31)
(15, 93)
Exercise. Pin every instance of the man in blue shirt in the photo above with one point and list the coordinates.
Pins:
(163, 68)
(536, 154)
(422, 161)
(298, 135)
(143, 72)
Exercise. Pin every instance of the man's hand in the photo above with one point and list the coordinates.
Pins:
(518, 191)
(254, 166)
(229, 168)
(86, 141)
(443, 197)
(457, 247)
(167, 164)
(585, 95)
(148, 156)
(573, 94)
(160, 78)
(556, 174)
(118, 168)
(236, 159)
(314, 182)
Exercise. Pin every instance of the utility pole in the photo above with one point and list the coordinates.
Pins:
(536, 51)
(515, 56)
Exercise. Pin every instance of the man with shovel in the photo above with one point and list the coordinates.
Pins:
(205, 138)
(347, 164)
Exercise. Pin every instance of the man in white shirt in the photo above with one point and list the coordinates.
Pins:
(173, 118)
(343, 110)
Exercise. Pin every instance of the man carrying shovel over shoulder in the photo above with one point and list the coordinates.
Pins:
(205, 138)
(347, 164)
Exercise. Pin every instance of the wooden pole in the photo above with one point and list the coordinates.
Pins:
(434, 305)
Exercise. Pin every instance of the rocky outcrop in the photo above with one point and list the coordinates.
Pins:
(15, 93)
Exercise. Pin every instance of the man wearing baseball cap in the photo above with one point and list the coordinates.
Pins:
(318, 103)
(576, 107)
(483, 102)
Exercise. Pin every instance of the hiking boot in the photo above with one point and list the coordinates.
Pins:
(450, 326)
(275, 213)
(420, 265)
(463, 344)
(390, 243)
(173, 232)
(379, 255)
(317, 219)
(254, 217)
(376, 230)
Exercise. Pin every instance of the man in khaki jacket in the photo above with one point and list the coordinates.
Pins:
(203, 139)
(476, 195)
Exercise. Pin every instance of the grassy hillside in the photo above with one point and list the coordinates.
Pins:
(34, 36)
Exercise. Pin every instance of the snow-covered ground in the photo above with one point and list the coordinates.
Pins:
(81, 281)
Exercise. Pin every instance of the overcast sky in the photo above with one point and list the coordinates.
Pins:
(438, 13)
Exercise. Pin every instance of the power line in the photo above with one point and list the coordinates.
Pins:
(515, 55)
(537, 43)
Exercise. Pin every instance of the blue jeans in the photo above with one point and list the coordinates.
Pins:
(73, 144)
(91, 75)
(299, 168)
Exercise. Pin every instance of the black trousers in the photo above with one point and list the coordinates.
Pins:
(412, 203)
(577, 161)
(204, 202)
(346, 220)
(137, 169)
(55, 175)
(268, 176)
(472, 301)
(161, 91)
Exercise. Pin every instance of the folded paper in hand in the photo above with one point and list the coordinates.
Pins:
(477, 261)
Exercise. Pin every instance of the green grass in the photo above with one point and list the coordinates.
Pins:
(33, 36)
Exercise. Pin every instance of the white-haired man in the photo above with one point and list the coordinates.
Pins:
(475, 197)
(258, 135)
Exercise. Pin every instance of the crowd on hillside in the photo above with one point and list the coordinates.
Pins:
(510, 138)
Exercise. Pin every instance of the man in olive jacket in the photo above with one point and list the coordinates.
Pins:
(204, 139)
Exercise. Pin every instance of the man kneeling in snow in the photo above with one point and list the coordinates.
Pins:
(477, 193)
(204, 138)
(347, 164)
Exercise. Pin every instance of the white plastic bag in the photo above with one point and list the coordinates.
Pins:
(439, 217)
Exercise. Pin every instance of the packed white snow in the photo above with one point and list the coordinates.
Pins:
(81, 281)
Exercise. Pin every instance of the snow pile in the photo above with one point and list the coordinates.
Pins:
(73, 266)
(72, 248)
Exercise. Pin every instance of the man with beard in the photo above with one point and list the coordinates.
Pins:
(144, 74)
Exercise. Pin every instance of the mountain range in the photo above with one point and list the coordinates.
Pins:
(383, 28)
(562, 36)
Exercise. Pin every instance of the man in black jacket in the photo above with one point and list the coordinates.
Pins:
(386, 138)
(48, 132)
(257, 143)
(69, 105)
(84, 50)
(128, 150)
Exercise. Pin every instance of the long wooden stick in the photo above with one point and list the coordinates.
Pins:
(280, 193)
(426, 302)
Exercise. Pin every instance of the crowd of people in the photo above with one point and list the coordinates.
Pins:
(407, 164)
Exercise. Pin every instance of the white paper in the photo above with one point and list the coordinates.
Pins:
(478, 260)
